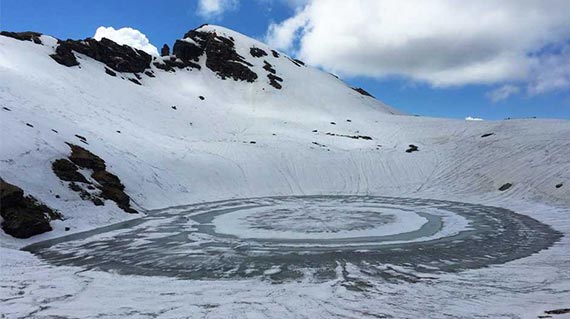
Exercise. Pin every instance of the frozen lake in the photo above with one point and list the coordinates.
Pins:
(284, 238)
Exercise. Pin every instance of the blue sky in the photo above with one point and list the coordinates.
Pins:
(411, 91)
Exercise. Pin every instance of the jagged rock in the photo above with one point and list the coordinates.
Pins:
(275, 53)
(24, 36)
(487, 135)
(121, 58)
(64, 56)
(257, 52)
(23, 217)
(362, 91)
(67, 171)
(221, 56)
(83, 158)
(165, 51)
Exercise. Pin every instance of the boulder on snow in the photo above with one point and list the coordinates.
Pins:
(23, 217)
(412, 148)
(505, 186)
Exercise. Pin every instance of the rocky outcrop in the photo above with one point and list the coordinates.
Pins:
(170, 64)
(165, 51)
(106, 185)
(23, 216)
(362, 91)
(67, 171)
(257, 52)
(121, 58)
(24, 36)
(221, 56)
(273, 79)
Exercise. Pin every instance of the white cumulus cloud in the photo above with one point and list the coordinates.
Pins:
(470, 118)
(215, 8)
(128, 36)
(440, 42)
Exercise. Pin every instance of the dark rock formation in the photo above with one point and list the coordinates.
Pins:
(23, 217)
(558, 311)
(268, 67)
(67, 171)
(165, 51)
(64, 56)
(169, 64)
(505, 186)
(299, 61)
(85, 159)
(294, 62)
(275, 53)
(274, 81)
(355, 137)
(111, 73)
(24, 36)
(559, 185)
(487, 135)
(221, 56)
(362, 91)
(257, 52)
(121, 58)
(109, 184)
(412, 148)
(135, 81)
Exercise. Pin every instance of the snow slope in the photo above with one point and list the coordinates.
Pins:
(250, 139)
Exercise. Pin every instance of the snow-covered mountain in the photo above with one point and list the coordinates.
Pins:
(97, 133)
(225, 116)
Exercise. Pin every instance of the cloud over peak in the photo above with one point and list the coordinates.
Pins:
(215, 8)
(128, 36)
